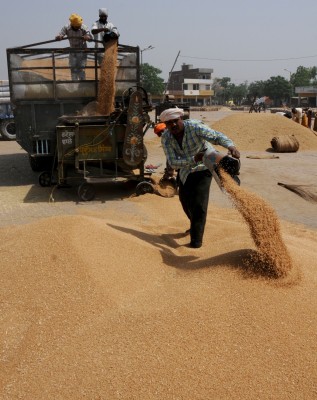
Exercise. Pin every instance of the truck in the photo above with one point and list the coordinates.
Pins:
(7, 124)
(53, 123)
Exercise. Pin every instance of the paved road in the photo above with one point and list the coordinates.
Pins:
(23, 200)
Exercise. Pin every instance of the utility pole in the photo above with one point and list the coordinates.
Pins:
(290, 75)
(141, 59)
(169, 76)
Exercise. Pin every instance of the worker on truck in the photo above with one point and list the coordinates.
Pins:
(103, 31)
(78, 35)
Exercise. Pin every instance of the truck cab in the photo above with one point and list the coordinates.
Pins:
(7, 124)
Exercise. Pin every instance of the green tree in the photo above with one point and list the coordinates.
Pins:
(221, 87)
(303, 76)
(314, 76)
(278, 89)
(256, 89)
(218, 89)
(224, 82)
(150, 80)
(239, 92)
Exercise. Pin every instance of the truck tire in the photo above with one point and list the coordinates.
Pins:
(35, 164)
(86, 192)
(8, 129)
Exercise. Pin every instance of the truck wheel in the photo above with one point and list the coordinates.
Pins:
(86, 192)
(8, 129)
(45, 179)
(34, 164)
(144, 188)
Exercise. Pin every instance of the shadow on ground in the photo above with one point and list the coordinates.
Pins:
(103, 192)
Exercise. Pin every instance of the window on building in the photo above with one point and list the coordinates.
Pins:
(185, 86)
(207, 87)
(204, 76)
(196, 86)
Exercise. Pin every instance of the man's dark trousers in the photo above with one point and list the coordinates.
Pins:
(194, 197)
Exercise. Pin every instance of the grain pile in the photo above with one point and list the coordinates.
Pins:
(114, 305)
(165, 188)
(255, 131)
(111, 303)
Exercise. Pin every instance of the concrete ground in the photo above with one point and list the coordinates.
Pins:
(23, 200)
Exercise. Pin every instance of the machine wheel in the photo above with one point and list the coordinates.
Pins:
(45, 179)
(143, 188)
(86, 192)
(8, 129)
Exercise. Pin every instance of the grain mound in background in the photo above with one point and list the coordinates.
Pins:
(255, 131)
(272, 257)
(285, 144)
(107, 82)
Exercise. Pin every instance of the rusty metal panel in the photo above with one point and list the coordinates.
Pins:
(66, 144)
(95, 142)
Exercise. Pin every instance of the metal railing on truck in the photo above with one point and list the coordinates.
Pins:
(42, 90)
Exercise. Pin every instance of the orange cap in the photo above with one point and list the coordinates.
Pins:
(159, 128)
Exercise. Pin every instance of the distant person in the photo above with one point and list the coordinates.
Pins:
(254, 105)
(103, 31)
(305, 119)
(309, 118)
(78, 35)
(297, 114)
(315, 122)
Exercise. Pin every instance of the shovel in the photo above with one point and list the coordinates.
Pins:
(211, 166)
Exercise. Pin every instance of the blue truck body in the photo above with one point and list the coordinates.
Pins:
(7, 125)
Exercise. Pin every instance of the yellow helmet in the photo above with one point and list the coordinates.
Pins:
(75, 20)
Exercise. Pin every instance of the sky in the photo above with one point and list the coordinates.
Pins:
(241, 39)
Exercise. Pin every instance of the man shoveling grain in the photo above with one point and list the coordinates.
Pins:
(187, 145)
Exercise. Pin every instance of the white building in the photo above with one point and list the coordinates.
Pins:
(191, 85)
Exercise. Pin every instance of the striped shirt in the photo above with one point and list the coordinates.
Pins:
(75, 37)
(197, 136)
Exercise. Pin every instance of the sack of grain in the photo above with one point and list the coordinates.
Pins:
(285, 144)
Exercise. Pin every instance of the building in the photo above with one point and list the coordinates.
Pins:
(307, 96)
(191, 85)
